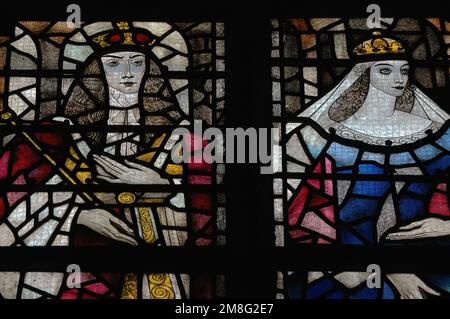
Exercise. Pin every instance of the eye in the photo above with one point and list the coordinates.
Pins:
(385, 71)
(112, 62)
(137, 62)
(405, 71)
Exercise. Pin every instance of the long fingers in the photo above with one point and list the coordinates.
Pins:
(114, 234)
(411, 234)
(126, 239)
(413, 225)
(121, 225)
(102, 171)
(135, 165)
(112, 170)
(428, 289)
(114, 163)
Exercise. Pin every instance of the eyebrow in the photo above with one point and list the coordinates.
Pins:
(136, 55)
(387, 64)
(113, 56)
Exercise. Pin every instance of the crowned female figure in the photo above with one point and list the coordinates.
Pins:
(356, 142)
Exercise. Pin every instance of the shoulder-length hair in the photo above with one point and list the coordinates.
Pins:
(88, 101)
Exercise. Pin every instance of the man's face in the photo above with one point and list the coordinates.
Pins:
(124, 70)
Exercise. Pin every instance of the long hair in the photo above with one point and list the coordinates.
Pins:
(353, 98)
(87, 102)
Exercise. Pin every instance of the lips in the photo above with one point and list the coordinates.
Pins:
(398, 87)
(128, 84)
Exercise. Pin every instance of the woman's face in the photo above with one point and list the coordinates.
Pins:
(390, 77)
(124, 70)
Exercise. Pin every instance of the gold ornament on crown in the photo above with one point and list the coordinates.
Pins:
(379, 45)
(102, 39)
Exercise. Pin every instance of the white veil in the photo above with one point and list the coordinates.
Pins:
(423, 105)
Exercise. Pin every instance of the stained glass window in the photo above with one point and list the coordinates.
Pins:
(100, 200)
(88, 117)
(364, 147)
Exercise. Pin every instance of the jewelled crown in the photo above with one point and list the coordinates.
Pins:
(379, 46)
(124, 35)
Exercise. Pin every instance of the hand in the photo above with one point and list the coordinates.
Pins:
(425, 228)
(408, 286)
(131, 173)
(106, 224)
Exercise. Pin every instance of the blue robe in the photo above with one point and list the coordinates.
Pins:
(357, 214)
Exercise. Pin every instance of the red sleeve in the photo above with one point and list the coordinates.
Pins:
(439, 204)
(200, 203)
(311, 210)
(199, 172)
(21, 164)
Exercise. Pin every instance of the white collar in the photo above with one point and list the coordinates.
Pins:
(117, 98)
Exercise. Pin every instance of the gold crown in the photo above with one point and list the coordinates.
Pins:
(379, 45)
(123, 35)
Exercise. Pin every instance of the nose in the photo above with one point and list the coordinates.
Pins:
(399, 78)
(127, 74)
